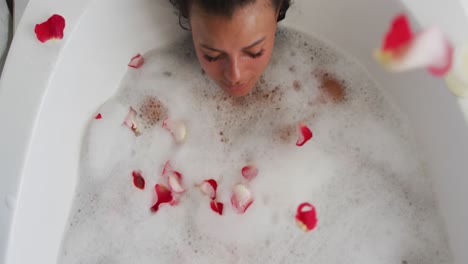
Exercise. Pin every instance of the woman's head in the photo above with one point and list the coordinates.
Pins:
(233, 39)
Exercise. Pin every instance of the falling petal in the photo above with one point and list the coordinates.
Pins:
(303, 134)
(217, 207)
(306, 217)
(164, 196)
(98, 116)
(176, 128)
(457, 78)
(403, 50)
(209, 187)
(241, 198)
(175, 181)
(399, 35)
(136, 62)
(130, 121)
(249, 172)
(50, 29)
(138, 180)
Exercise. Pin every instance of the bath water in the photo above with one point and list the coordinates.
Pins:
(362, 169)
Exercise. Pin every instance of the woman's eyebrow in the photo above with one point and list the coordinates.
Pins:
(254, 44)
(245, 48)
(210, 48)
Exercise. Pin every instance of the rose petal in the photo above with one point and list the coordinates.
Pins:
(175, 181)
(241, 198)
(164, 196)
(176, 128)
(457, 78)
(98, 116)
(217, 207)
(50, 29)
(399, 34)
(303, 134)
(138, 180)
(249, 172)
(209, 187)
(130, 121)
(137, 61)
(167, 168)
(306, 217)
(403, 51)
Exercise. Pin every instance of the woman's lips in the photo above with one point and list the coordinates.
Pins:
(237, 86)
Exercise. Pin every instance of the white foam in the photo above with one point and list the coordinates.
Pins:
(361, 170)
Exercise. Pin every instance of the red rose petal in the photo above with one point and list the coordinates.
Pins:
(209, 187)
(175, 181)
(217, 207)
(138, 180)
(164, 196)
(304, 134)
(98, 116)
(249, 172)
(137, 61)
(130, 121)
(399, 34)
(306, 217)
(50, 29)
(241, 198)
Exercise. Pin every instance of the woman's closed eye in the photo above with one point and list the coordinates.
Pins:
(210, 58)
(256, 55)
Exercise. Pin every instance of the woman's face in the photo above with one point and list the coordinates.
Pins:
(235, 51)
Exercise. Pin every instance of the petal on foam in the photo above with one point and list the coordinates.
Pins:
(177, 129)
(175, 181)
(249, 172)
(217, 207)
(130, 121)
(138, 179)
(241, 198)
(209, 187)
(304, 134)
(163, 194)
(306, 217)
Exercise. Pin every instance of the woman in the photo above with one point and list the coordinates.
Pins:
(233, 39)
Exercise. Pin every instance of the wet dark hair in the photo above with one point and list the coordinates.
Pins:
(221, 7)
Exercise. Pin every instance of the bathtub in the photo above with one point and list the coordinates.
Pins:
(49, 91)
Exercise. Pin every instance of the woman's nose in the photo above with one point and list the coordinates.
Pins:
(232, 72)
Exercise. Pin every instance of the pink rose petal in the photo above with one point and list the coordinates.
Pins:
(137, 61)
(208, 187)
(303, 134)
(306, 217)
(217, 207)
(130, 121)
(167, 168)
(163, 194)
(138, 180)
(241, 198)
(176, 128)
(175, 181)
(249, 172)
